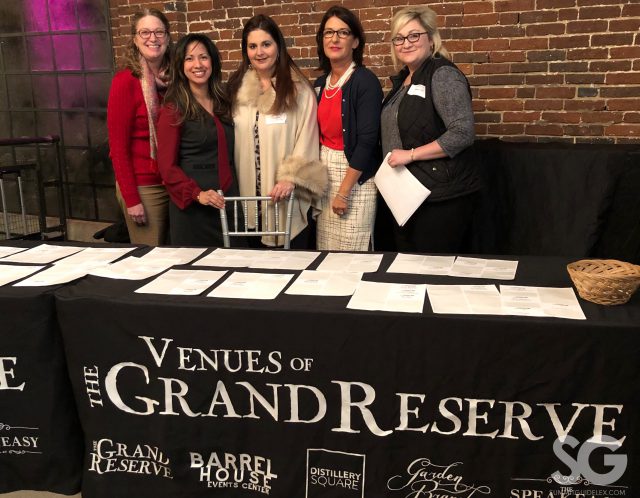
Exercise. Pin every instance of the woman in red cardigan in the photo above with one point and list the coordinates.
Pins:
(134, 100)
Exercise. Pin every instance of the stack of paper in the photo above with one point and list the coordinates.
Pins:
(376, 296)
(422, 265)
(8, 251)
(325, 283)
(242, 285)
(42, 254)
(344, 261)
(182, 282)
(11, 273)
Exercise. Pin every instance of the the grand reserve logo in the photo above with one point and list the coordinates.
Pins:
(108, 456)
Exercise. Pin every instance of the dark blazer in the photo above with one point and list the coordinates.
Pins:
(361, 108)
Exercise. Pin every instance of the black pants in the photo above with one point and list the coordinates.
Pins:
(437, 227)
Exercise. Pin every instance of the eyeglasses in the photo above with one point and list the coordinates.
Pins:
(145, 34)
(412, 37)
(342, 33)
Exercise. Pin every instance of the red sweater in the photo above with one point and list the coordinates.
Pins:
(128, 125)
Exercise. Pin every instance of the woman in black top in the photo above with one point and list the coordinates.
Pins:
(195, 144)
(427, 125)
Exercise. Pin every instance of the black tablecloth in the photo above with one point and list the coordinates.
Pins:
(197, 396)
(40, 438)
(550, 199)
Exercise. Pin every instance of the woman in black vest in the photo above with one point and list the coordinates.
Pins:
(195, 144)
(427, 125)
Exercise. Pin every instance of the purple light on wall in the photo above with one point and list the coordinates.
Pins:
(95, 48)
(40, 53)
(67, 52)
(36, 17)
(62, 14)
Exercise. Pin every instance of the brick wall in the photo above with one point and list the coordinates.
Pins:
(540, 70)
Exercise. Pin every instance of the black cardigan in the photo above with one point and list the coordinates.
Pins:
(361, 108)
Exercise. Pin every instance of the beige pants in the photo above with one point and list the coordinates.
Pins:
(155, 201)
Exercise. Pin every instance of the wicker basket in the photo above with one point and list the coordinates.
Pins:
(604, 281)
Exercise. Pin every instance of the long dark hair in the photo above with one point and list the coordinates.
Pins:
(351, 20)
(131, 59)
(285, 87)
(179, 92)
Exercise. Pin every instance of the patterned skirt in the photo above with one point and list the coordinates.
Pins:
(352, 231)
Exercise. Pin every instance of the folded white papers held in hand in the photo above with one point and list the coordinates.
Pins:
(402, 191)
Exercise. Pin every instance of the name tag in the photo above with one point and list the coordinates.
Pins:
(272, 119)
(418, 90)
(317, 89)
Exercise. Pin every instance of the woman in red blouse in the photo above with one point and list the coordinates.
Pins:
(134, 99)
(349, 102)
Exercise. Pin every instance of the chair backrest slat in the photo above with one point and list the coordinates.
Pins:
(264, 206)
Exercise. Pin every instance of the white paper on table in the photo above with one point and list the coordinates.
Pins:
(500, 269)
(55, 275)
(179, 255)
(521, 300)
(465, 299)
(229, 258)
(182, 282)
(93, 257)
(325, 283)
(377, 296)
(241, 285)
(132, 268)
(43, 254)
(421, 265)
(11, 273)
(8, 251)
(559, 302)
(346, 261)
(284, 260)
(402, 191)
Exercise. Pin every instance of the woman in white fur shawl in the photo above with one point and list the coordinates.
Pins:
(276, 131)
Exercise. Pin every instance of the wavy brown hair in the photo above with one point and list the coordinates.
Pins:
(131, 59)
(285, 86)
(179, 92)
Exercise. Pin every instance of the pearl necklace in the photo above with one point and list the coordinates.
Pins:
(338, 84)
